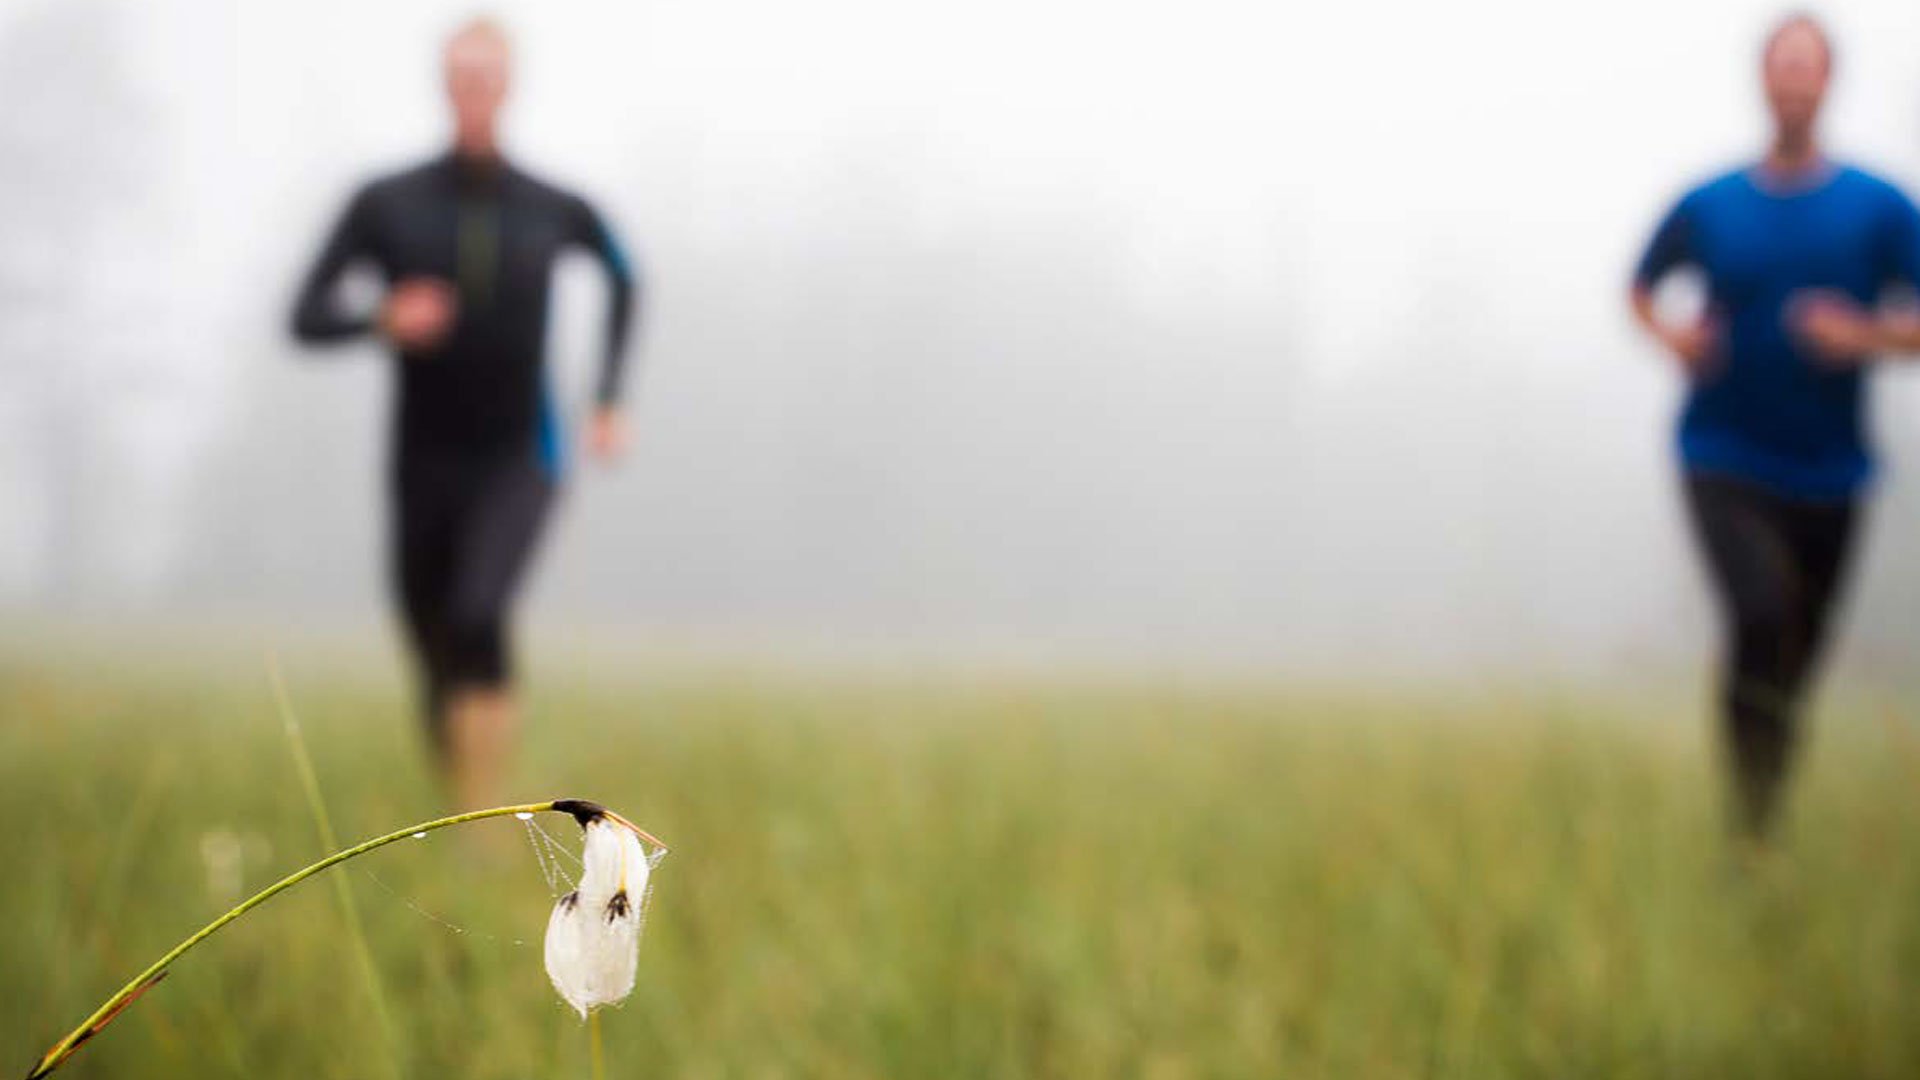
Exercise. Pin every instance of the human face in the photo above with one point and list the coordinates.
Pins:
(1794, 73)
(476, 74)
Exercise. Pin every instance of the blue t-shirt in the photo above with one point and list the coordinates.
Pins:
(1767, 409)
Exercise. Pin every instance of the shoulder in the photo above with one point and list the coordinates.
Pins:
(1862, 179)
(1873, 187)
(1729, 183)
(397, 183)
(541, 189)
(1715, 190)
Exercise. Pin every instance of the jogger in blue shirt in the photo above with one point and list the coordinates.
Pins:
(1797, 253)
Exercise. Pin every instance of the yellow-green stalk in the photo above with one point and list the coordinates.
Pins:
(581, 809)
(593, 1044)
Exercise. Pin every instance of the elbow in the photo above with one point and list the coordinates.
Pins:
(307, 323)
(622, 275)
(302, 329)
(625, 294)
(1640, 299)
(316, 326)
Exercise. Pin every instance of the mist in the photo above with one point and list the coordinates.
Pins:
(1209, 332)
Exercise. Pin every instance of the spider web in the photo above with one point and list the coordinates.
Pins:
(549, 854)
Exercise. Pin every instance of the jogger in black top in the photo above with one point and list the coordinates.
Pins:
(466, 244)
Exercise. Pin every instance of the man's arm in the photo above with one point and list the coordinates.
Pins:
(607, 433)
(1691, 344)
(317, 318)
(1899, 322)
(1847, 334)
(1900, 330)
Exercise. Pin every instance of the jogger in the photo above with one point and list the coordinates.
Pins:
(1796, 251)
(466, 244)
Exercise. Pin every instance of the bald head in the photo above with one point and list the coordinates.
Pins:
(478, 62)
(1795, 66)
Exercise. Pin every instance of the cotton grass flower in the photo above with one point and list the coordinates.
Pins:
(593, 934)
(592, 945)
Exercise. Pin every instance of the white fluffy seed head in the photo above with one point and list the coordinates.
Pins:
(593, 935)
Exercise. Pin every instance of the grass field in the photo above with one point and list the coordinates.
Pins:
(930, 879)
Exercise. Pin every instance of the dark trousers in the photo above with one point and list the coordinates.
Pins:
(1777, 566)
(464, 532)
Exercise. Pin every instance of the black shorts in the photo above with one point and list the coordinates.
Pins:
(464, 532)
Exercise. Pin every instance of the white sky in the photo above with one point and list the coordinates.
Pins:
(1218, 328)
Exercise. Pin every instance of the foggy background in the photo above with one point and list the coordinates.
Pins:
(1289, 336)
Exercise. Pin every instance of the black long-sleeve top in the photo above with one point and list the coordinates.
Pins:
(493, 233)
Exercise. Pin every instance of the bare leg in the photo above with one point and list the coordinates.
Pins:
(481, 724)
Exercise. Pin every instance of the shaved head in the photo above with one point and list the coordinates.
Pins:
(1799, 30)
(478, 61)
(1796, 64)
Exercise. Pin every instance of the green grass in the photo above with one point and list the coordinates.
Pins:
(930, 879)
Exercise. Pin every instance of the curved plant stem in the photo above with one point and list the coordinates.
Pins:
(144, 981)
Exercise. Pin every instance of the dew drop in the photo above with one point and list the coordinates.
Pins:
(419, 836)
(524, 816)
